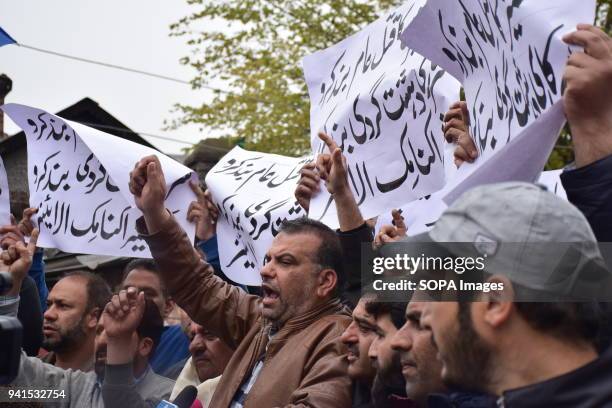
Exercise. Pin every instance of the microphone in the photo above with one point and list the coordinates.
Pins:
(186, 397)
(183, 400)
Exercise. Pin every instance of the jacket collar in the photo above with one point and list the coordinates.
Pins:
(589, 384)
(329, 307)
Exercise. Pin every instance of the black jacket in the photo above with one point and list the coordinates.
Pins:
(587, 387)
(590, 189)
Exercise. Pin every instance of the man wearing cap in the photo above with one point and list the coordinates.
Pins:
(508, 342)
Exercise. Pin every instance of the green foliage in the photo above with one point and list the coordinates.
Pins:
(256, 54)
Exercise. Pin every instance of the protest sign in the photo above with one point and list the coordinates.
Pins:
(383, 104)
(78, 179)
(254, 193)
(510, 59)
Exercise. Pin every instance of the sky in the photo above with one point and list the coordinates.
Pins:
(130, 33)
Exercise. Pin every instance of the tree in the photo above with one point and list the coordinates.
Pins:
(257, 55)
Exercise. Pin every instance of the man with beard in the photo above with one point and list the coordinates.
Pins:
(389, 385)
(358, 337)
(513, 341)
(292, 333)
(76, 388)
(73, 308)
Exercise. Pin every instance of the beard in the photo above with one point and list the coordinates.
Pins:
(68, 339)
(468, 359)
(391, 376)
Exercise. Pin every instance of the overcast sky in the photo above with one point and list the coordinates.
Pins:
(132, 33)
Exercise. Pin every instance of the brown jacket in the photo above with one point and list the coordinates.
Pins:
(305, 363)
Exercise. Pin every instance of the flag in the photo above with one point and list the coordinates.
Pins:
(5, 38)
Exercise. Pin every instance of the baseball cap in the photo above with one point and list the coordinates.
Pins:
(527, 234)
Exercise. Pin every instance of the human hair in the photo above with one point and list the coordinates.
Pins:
(98, 291)
(572, 322)
(329, 254)
(148, 265)
(151, 325)
(397, 311)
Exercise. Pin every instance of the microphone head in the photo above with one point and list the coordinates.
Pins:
(186, 397)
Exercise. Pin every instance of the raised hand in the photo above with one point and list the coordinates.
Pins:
(200, 214)
(11, 234)
(457, 130)
(332, 167)
(122, 315)
(588, 94)
(148, 185)
(391, 233)
(17, 260)
(308, 186)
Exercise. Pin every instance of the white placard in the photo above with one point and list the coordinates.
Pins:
(383, 104)
(255, 194)
(78, 179)
(510, 58)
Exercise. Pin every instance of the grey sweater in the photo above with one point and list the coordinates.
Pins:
(83, 389)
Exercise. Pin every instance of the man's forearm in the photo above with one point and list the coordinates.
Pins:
(349, 215)
(592, 142)
(120, 350)
(155, 220)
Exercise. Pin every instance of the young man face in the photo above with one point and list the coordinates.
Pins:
(66, 321)
(358, 337)
(150, 283)
(290, 276)
(141, 355)
(385, 359)
(420, 367)
(464, 355)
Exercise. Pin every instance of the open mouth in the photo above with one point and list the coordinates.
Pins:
(269, 294)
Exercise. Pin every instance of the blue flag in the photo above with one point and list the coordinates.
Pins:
(5, 38)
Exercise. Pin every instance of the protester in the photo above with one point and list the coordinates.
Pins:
(131, 328)
(389, 387)
(300, 309)
(10, 234)
(209, 357)
(173, 347)
(529, 354)
(358, 337)
(77, 387)
(74, 306)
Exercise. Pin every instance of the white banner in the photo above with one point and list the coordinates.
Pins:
(510, 59)
(254, 193)
(78, 179)
(383, 104)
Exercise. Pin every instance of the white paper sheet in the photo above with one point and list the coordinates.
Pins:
(552, 181)
(78, 178)
(510, 59)
(5, 200)
(383, 104)
(255, 194)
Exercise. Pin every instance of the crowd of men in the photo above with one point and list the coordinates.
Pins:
(315, 334)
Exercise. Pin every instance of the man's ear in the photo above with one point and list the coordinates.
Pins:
(145, 347)
(91, 319)
(497, 304)
(168, 306)
(326, 282)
